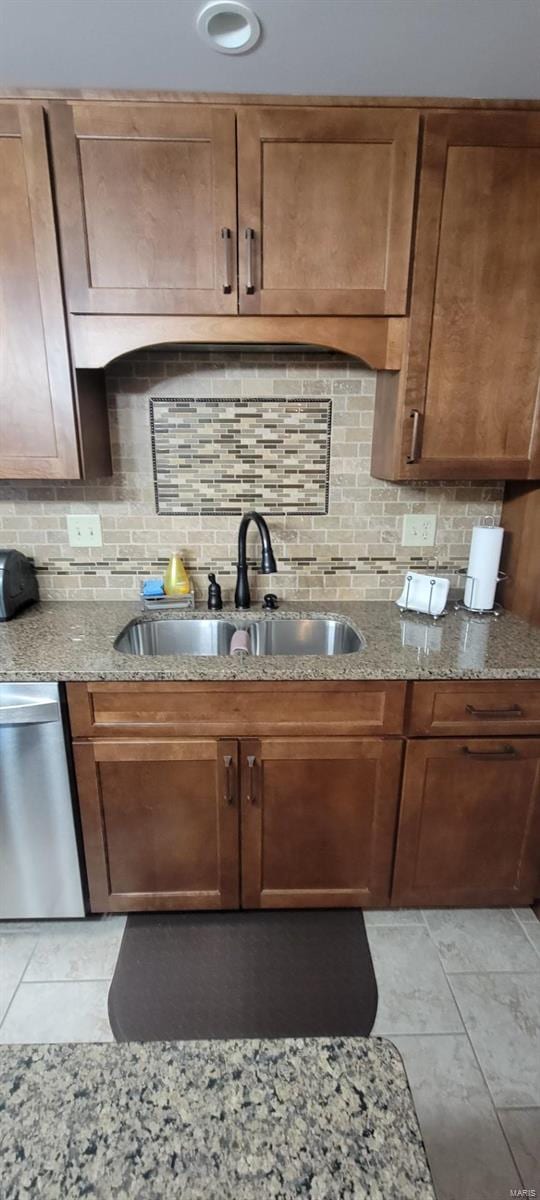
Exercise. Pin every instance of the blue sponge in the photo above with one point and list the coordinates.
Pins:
(153, 587)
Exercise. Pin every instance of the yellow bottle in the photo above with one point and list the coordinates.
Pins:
(176, 579)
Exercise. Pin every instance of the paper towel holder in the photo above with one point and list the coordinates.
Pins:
(487, 522)
(460, 605)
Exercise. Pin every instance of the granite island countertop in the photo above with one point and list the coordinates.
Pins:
(74, 640)
(326, 1119)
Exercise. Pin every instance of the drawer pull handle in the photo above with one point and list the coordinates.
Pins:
(251, 797)
(226, 238)
(413, 455)
(250, 238)
(504, 752)
(487, 714)
(229, 794)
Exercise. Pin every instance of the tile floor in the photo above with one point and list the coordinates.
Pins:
(459, 995)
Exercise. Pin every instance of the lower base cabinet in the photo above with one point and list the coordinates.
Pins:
(304, 795)
(160, 823)
(469, 827)
(318, 821)
(218, 823)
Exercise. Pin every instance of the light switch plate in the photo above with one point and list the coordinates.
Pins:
(84, 529)
(419, 529)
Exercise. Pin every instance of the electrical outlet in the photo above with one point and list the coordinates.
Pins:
(84, 529)
(419, 529)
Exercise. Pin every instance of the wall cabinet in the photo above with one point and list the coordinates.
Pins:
(469, 828)
(325, 209)
(48, 428)
(221, 210)
(468, 403)
(147, 198)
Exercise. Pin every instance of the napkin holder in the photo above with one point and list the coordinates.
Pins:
(406, 601)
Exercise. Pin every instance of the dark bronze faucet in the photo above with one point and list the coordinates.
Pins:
(242, 598)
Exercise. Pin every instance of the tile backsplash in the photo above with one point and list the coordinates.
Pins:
(351, 551)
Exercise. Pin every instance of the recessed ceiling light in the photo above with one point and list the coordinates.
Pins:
(228, 26)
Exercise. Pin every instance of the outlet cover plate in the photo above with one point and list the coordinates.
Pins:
(84, 529)
(419, 529)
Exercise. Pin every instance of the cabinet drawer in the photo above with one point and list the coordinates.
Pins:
(475, 708)
(235, 708)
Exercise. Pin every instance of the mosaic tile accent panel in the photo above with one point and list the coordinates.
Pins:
(219, 457)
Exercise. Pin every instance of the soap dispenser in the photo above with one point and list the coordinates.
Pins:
(176, 579)
(214, 594)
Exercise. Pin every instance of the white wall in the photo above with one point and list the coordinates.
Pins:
(355, 47)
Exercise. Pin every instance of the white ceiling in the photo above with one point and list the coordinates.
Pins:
(351, 47)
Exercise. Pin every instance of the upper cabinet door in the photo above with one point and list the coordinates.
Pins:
(146, 199)
(38, 436)
(474, 360)
(325, 210)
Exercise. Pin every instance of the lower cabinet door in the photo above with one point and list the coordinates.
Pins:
(160, 823)
(469, 829)
(318, 821)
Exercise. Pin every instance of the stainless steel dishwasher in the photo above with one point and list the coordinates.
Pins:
(40, 874)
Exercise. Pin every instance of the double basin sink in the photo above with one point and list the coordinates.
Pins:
(208, 636)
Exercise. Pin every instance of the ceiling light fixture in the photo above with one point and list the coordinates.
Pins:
(228, 26)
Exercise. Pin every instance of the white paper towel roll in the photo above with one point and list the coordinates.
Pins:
(483, 568)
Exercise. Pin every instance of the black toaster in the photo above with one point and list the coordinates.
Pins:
(18, 583)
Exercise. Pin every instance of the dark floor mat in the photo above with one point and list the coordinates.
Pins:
(243, 975)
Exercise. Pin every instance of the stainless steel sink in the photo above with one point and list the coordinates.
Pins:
(192, 636)
(204, 635)
(304, 635)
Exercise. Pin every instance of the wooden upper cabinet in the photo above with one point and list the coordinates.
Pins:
(38, 434)
(468, 406)
(325, 203)
(146, 198)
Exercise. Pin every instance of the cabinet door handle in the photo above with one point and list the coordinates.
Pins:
(504, 752)
(487, 714)
(250, 238)
(228, 794)
(413, 456)
(251, 797)
(226, 239)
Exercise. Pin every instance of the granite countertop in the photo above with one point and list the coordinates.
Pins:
(75, 640)
(330, 1119)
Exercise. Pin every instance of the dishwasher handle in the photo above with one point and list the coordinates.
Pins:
(38, 712)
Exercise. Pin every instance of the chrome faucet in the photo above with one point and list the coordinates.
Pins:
(242, 598)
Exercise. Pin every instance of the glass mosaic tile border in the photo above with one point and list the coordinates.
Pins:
(220, 457)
